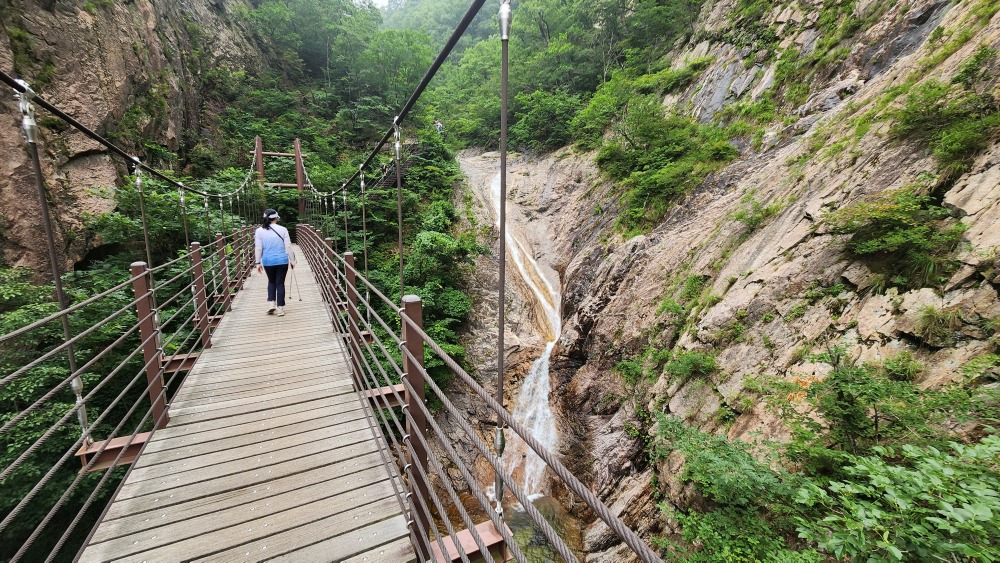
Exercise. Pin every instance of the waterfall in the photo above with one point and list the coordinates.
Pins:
(531, 408)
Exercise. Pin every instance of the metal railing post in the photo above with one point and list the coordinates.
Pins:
(416, 422)
(149, 332)
(220, 247)
(200, 296)
(351, 304)
(238, 260)
(248, 234)
(333, 274)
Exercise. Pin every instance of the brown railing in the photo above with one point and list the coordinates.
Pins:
(388, 361)
(131, 346)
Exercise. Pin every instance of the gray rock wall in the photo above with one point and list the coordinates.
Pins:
(95, 62)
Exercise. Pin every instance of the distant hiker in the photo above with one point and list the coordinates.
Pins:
(272, 250)
(438, 126)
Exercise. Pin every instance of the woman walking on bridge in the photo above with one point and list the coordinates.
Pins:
(273, 254)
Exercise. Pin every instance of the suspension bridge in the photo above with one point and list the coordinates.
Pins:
(221, 433)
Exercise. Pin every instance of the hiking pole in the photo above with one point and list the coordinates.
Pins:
(296, 282)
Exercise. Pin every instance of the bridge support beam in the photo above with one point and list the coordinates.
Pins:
(416, 421)
(300, 178)
(150, 333)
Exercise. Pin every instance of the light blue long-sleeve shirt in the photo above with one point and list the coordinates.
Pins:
(272, 247)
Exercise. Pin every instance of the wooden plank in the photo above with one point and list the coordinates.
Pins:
(235, 439)
(259, 391)
(261, 382)
(271, 536)
(302, 393)
(142, 538)
(305, 533)
(263, 360)
(136, 501)
(250, 341)
(357, 542)
(220, 379)
(198, 435)
(245, 498)
(176, 435)
(234, 376)
(251, 458)
(399, 550)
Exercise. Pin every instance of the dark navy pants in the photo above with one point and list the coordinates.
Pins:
(276, 283)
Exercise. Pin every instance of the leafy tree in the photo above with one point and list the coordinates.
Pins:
(545, 117)
(935, 504)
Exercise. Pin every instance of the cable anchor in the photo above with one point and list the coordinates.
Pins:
(499, 443)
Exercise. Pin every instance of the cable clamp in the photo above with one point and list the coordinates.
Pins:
(28, 92)
(28, 123)
(505, 20)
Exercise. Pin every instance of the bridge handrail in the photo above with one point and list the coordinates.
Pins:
(185, 330)
(310, 240)
(326, 265)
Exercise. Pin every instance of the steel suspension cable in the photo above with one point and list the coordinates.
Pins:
(22, 88)
(399, 208)
(347, 241)
(142, 211)
(499, 440)
(184, 217)
(364, 235)
(463, 24)
(30, 128)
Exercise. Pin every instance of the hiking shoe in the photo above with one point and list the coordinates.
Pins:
(270, 307)
(280, 312)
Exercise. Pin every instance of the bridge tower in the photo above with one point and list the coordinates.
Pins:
(260, 153)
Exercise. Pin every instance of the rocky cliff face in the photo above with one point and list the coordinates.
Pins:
(132, 70)
(769, 293)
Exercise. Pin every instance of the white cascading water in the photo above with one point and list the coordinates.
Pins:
(532, 405)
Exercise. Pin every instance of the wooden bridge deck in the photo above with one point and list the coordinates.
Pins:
(268, 454)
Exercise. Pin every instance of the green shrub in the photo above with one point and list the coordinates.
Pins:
(983, 367)
(593, 120)
(902, 234)
(692, 288)
(691, 363)
(658, 159)
(629, 370)
(753, 213)
(937, 326)
(931, 505)
(954, 120)
(738, 524)
(669, 80)
(902, 367)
